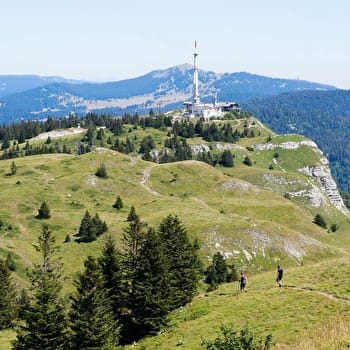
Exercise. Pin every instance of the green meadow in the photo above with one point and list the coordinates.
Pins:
(241, 211)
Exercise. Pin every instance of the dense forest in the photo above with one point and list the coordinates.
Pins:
(323, 116)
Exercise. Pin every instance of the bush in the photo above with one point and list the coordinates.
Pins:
(320, 221)
(101, 171)
(243, 339)
(247, 161)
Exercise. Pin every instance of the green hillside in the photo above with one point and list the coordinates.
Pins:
(241, 211)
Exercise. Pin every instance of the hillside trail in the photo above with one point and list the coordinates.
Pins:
(328, 295)
(145, 176)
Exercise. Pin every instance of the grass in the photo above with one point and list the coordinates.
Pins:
(240, 211)
(297, 318)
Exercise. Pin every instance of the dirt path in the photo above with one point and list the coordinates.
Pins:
(308, 290)
(146, 175)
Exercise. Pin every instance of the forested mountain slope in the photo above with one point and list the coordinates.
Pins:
(323, 116)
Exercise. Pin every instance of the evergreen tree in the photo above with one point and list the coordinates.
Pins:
(8, 310)
(149, 298)
(44, 320)
(91, 322)
(133, 239)
(217, 272)
(132, 214)
(110, 263)
(320, 221)
(227, 159)
(182, 259)
(43, 211)
(101, 171)
(91, 227)
(118, 203)
(247, 161)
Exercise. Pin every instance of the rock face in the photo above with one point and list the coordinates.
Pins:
(327, 188)
(322, 175)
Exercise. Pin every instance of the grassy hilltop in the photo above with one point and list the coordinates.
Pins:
(241, 211)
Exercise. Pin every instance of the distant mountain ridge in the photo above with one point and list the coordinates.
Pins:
(166, 89)
(10, 84)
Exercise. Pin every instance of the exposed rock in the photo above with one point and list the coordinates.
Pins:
(228, 146)
(285, 145)
(199, 148)
(322, 175)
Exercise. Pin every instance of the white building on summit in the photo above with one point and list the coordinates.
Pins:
(198, 109)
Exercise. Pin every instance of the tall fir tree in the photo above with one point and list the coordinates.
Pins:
(8, 307)
(149, 298)
(182, 259)
(92, 324)
(132, 214)
(87, 231)
(118, 203)
(44, 211)
(113, 280)
(44, 318)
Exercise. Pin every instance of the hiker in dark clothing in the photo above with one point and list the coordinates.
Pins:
(279, 276)
(243, 282)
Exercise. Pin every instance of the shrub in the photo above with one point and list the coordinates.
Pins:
(101, 171)
(243, 339)
(320, 221)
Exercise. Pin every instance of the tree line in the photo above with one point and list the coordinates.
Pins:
(120, 297)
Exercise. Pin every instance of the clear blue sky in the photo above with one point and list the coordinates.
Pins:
(113, 39)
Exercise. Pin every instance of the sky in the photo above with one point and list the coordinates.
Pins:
(109, 40)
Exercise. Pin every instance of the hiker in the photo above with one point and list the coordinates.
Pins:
(279, 276)
(243, 282)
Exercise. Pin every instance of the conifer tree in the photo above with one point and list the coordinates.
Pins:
(43, 211)
(217, 272)
(133, 239)
(227, 159)
(149, 297)
(91, 322)
(86, 230)
(44, 320)
(113, 280)
(182, 259)
(8, 310)
(132, 214)
(118, 203)
(320, 221)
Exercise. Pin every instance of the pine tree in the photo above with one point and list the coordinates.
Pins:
(132, 214)
(133, 239)
(113, 280)
(217, 272)
(320, 221)
(227, 159)
(182, 259)
(149, 297)
(44, 320)
(87, 231)
(8, 309)
(43, 211)
(118, 204)
(92, 325)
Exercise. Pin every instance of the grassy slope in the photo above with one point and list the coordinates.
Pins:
(225, 213)
(300, 313)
